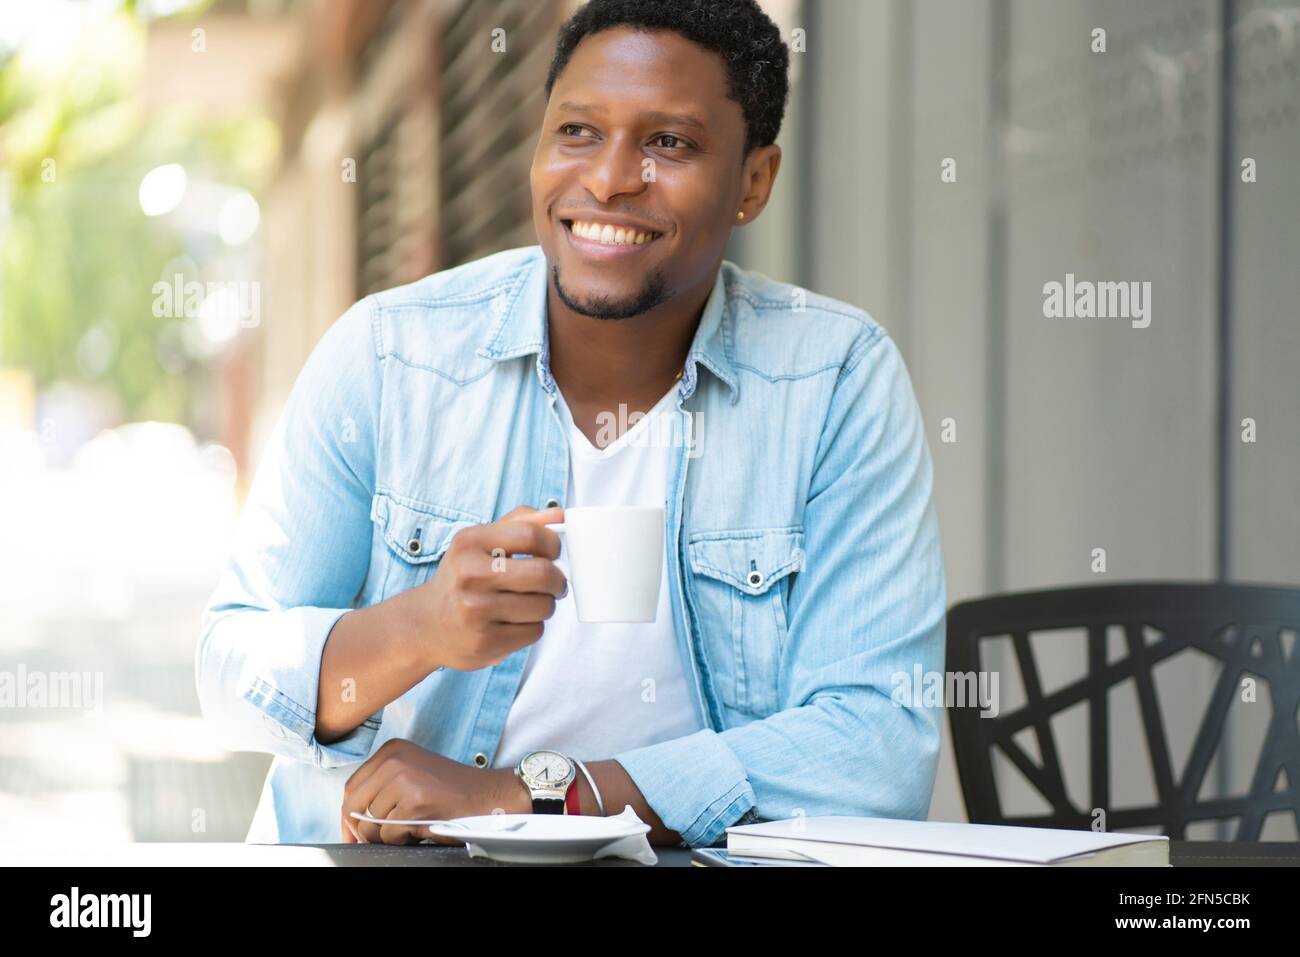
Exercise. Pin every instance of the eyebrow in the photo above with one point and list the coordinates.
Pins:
(649, 116)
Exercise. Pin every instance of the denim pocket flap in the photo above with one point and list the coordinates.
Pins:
(417, 531)
(750, 559)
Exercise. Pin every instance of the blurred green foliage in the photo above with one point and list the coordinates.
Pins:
(79, 257)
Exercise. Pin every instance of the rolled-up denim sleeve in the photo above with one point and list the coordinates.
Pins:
(300, 555)
(865, 615)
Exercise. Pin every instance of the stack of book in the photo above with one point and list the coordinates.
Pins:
(880, 842)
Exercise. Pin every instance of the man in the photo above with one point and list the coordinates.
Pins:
(393, 626)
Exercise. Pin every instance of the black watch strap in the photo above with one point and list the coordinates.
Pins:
(548, 805)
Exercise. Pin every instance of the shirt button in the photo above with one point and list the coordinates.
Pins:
(413, 546)
(480, 760)
(552, 503)
(755, 579)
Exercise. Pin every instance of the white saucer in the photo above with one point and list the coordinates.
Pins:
(542, 838)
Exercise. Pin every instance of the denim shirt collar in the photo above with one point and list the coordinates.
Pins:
(520, 329)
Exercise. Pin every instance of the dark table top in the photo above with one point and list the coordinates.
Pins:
(1181, 854)
(1234, 854)
(200, 854)
(442, 855)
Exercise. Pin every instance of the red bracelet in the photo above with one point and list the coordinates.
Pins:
(571, 805)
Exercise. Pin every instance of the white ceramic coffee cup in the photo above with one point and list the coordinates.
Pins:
(613, 558)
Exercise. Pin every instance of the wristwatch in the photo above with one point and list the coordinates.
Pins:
(547, 775)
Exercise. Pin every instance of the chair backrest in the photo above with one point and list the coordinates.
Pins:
(1250, 629)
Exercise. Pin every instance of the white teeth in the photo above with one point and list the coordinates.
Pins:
(613, 235)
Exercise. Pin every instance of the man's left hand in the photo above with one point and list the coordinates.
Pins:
(403, 780)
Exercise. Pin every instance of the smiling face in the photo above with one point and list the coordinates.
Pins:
(637, 176)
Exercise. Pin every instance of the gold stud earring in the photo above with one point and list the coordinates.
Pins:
(740, 216)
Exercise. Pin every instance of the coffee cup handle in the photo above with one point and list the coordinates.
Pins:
(559, 529)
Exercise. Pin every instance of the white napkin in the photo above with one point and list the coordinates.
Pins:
(634, 847)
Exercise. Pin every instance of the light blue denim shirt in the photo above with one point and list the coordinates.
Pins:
(803, 551)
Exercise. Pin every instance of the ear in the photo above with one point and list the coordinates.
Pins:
(758, 177)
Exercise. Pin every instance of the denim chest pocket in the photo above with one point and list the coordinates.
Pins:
(416, 535)
(739, 585)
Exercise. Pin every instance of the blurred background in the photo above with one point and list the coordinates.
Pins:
(190, 193)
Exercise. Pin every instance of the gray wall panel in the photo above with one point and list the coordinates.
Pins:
(1265, 500)
(1109, 428)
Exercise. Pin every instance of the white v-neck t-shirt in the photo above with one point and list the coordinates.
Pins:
(592, 690)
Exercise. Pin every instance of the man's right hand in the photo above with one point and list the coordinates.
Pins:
(482, 605)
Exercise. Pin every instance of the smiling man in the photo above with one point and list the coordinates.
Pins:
(392, 624)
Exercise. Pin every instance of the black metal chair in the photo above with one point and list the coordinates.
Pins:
(1250, 629)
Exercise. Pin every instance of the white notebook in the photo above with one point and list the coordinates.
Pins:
(877, 842)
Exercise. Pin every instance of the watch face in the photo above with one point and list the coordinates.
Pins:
(547, 768)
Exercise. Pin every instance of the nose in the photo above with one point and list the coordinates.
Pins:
(615, 169)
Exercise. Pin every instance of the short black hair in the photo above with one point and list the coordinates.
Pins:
(757, 59)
